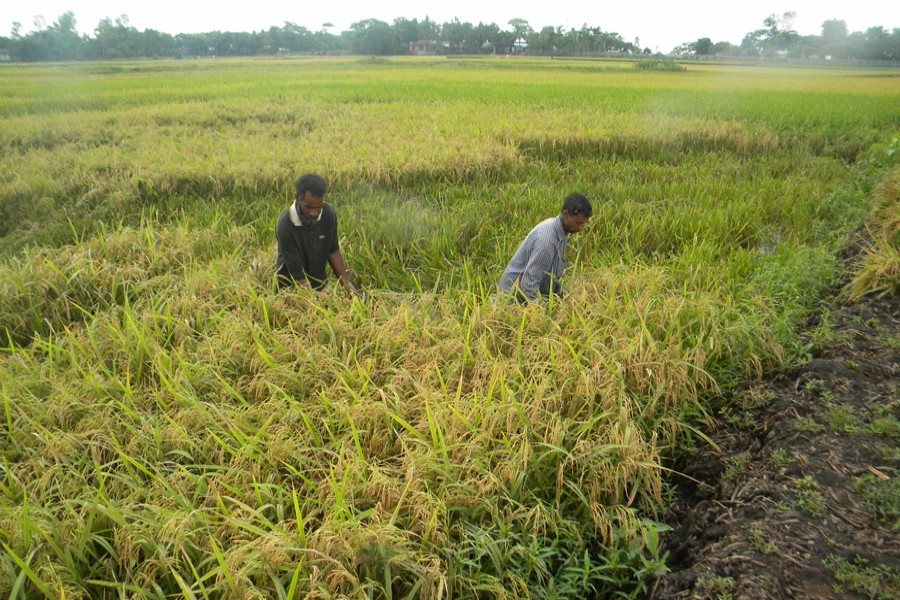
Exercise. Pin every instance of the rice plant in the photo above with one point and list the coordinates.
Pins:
(173, 427)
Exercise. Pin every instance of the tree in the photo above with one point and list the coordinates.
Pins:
(192, 44)
(582, 41)
(372, 36)
(752, 43)
(545, 41)
(412, 32)
(221, 43)
(834, 38)
(295, 38)
(875, 44)
(834, 30)
(702, 47)
(429, 30)
(116, 39)
(521, 28)
(157, 44)
(407, 31)
(780, 34)
(522, 31)
(503, 41)
(485, 37)
(724, 49)
(806, 47)
(325, 41)
(63, 40)
(459, 37)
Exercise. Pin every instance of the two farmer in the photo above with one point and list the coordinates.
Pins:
(307, 238)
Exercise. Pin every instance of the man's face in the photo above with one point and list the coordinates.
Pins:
(309, 208)
(573, 223)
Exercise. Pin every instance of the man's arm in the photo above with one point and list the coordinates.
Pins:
(337, 265)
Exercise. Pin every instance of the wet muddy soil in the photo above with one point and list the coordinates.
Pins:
(799, 497)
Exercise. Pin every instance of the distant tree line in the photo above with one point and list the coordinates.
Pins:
(117, 38)
(779, 40)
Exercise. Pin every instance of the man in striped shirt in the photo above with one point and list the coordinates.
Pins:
(537, 266)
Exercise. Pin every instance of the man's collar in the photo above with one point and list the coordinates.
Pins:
(560, 230)
(292, 213)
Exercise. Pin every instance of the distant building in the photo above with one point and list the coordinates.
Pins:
(4, 56)
(423, 48)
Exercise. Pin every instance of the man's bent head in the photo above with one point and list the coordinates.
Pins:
(576, 211)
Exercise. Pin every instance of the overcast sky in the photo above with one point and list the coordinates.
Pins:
(659, 25)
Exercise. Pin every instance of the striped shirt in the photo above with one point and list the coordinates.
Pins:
(539, 262)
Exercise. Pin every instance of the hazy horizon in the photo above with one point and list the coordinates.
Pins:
(659, 26)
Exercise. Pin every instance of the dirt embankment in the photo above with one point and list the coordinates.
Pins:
(802, 497)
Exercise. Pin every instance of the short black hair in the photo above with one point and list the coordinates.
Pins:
(312, 183)
(577, 204)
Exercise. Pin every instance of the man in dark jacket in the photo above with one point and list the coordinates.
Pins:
(307, 235)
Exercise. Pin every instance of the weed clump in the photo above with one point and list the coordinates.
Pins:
(659, 64)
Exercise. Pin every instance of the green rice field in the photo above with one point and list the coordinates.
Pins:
(170, 427)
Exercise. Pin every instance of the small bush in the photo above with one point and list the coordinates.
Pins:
(877, 581)
(659, 64)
